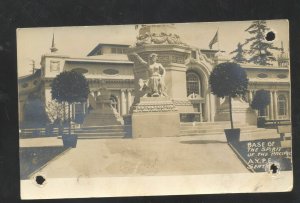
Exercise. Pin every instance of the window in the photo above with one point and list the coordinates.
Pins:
(99, 52)
(193, 83)
(113, 50)
(117, 50)
(54, 66)
(282, 111)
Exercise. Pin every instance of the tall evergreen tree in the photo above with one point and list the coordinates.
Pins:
(240, 54)
(259, 48)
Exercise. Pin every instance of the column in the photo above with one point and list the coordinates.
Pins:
(73, 111)
(119, 106)
(123, 102)
(207, 108)
(201, 111)
(271, 108)
(289, 105)
(87, 105)
(275, 105)
(128, 99)
(83, 107)
(250, 96)
(212, 107)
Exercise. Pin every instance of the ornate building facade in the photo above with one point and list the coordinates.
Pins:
(187, 80)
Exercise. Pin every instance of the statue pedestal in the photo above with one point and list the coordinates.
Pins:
(241, 112)
(155, 117)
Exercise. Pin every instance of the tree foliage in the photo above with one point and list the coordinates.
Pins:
(70, 87)
(260, 48)
(34, 113)
(240, 54)
(261, 100)
(56, 111)
(228, 79)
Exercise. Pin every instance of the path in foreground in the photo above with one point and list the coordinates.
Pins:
(146, 156)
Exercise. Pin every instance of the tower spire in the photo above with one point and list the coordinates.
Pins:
(53, 49)
(283, 58)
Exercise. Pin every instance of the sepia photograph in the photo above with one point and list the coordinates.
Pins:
(154, 109)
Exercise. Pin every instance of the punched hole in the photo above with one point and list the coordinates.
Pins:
(274, 168)
(270, 36)
(40, 180)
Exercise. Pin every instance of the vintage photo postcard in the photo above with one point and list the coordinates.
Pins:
(155, 109)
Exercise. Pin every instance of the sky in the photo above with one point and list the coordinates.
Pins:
(32, 43)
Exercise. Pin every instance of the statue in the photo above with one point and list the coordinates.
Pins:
(154, 85)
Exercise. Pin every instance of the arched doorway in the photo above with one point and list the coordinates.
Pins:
(193, 83)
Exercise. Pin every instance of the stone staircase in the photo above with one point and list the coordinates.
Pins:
(186, 129)
(101, 132)
(207, 128)
(98, 118)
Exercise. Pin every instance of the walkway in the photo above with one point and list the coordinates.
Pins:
(146, 156)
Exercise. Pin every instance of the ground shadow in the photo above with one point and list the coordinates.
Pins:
(203, 142)
(33, 158)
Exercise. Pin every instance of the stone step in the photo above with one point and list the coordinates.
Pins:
(212, 131)
(97, 122)
(101, 117)
(100, 137)
(97, 136)
(209, 124)
(100, 134)
(103, 127)
(216, 131)
(99, 130)
(259, 132)
(183, 128)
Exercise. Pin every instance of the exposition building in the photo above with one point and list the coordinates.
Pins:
(111, 68)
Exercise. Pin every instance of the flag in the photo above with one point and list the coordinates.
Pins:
(214, 40)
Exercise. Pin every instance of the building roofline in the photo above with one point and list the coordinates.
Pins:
(91, 53)
(88, 60)
(29, 77)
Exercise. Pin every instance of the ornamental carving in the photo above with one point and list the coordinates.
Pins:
(158, 38)
(159, 106)
(178, 59)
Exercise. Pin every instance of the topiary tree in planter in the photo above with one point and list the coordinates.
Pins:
(70, 87)
(229, 80)
(260, 101)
